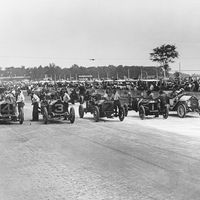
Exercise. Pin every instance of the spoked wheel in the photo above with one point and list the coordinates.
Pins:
(96, 114)
(166, 112)
(142, 112)
(45, 115)
(125, 110)
(181, 110)
(72, 115)
(121, 113)
(21, 115)
(81, 111)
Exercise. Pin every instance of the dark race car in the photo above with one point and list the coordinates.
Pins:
(101, 108)
(56, 109)
(10, 110)
(147, 107)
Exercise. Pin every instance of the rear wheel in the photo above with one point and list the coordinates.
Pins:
(125, 110)
(142, 112)
(121, 113)
(96, 114)
(45, 115)
(72, 115)
(21, 115)
(166, 112)
(181, 110)
(81, 111)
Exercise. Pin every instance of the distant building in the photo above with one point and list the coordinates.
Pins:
(14, 78)
(85, 77)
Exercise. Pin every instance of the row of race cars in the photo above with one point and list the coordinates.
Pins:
(52, 106)
(177, 101)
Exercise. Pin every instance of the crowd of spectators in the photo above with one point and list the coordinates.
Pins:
(190, 84)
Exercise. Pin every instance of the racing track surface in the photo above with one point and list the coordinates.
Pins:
(153, 159)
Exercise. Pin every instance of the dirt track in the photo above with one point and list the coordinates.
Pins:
(134, 159)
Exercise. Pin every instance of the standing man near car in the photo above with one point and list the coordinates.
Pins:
(66, 99)
(20, 99)
(35, 102)
(116, 98)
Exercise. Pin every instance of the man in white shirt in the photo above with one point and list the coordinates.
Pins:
(20, 99)
(35, 102)
(66, 99)
(117, 103)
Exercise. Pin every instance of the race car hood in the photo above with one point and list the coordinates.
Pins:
(185, 98)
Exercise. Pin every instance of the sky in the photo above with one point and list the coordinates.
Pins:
(113, 32)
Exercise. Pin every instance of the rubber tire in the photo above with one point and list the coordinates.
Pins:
(45, 115)
(21, 115)
(121, 113)
(183, 108)
(96, 114)
(81, 111)
(141, 112)
(72, 115)
(125, 110)
(166, 112)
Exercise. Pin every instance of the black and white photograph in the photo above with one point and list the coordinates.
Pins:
(99, 100)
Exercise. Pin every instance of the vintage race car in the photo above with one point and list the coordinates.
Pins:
(8, 112)
(101, 108)
(147, 107)
(184, 103)
(75, 97)
(56, 109)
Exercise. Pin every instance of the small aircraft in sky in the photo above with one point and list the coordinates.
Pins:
(92, 59)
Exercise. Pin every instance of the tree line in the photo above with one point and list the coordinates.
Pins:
(101, 72)
(164, 55)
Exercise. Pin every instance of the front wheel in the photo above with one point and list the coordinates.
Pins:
(96, 114)
(81, 111)
(72, 115)
(142, 112)
(181, 110)
(121, 114)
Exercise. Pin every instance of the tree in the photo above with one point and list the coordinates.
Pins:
(164, 55)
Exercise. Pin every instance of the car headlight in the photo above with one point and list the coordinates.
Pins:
(189, 103)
